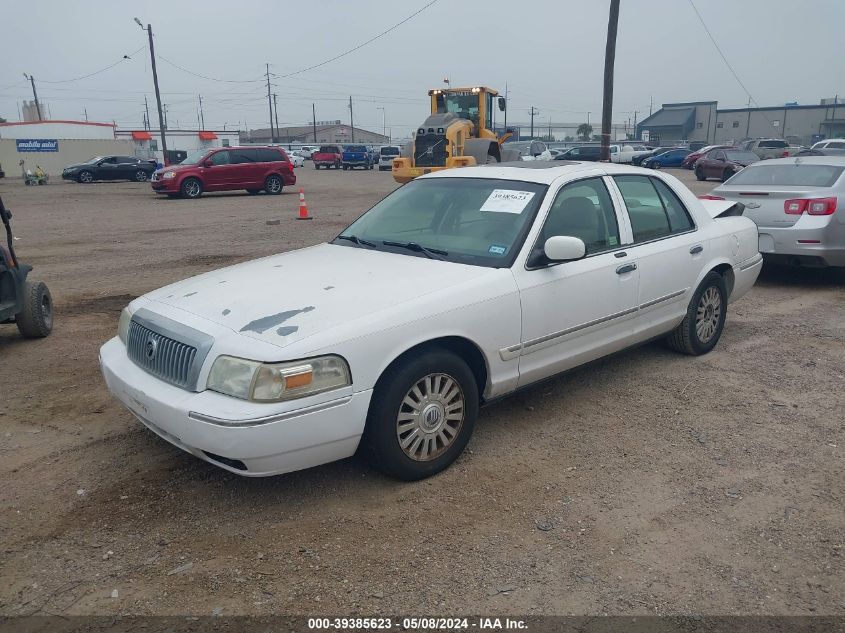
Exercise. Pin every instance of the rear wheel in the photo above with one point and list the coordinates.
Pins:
(191, 188)
(141, 176)
(273, 185)
(422, 415)
(85, 176)
(701, 328)
(699, 173)
(316, 166)
(35, 320)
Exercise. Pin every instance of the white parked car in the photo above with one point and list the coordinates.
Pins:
(529, 150)
(306, 150)
(296, 158)
(386, 154)
(457, 288)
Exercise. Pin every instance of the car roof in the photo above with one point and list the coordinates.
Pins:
(539, 171)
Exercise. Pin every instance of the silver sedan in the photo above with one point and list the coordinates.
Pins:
(798, 205)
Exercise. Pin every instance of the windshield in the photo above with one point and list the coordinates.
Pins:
(194, 157)
(328, 149)
(355, 148)
(742, 157)
(789, 175)
(475, 221)
(464, 105)
(390, 151)
(93, 160)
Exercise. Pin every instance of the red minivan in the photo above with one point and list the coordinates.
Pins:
(226, 169)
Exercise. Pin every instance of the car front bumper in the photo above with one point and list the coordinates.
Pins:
(70, 175)
(287, 437)
(165, 186)
(811, 241)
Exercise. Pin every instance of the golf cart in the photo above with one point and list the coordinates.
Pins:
(26, 303)
(38, 177)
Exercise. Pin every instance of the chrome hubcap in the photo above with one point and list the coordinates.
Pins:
(141, 176)
(86, 177)
(274, 185)
(192, 188)
(430, 417)
(708, 314)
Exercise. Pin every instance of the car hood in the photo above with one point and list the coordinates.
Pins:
(79, 166)
(285, 298)
(175, 168)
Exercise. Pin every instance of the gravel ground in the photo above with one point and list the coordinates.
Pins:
(647, 483)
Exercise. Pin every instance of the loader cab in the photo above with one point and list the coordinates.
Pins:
(473, 104)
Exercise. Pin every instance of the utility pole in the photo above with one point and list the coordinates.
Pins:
(635, 123)
(650, 104)
(164, 106)
(147, 110)
(609, 60)
(86, 115)
(351, 121)
(202, 116)
(270, 105)
(314, 120)
(506, 107)
(588, 118)
(383, 122)
(550, 129)
(34, 95)
(162, 120)
(276, 112)
(533, 112)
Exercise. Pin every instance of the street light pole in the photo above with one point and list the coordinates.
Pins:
(609, 60)
(161, 126)
(34, 94)
(383, 122)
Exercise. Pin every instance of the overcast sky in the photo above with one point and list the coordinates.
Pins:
(550, 53)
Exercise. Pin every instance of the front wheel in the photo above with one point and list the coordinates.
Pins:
(655, 165)
(141, 176)
(85, 177)
(35, 320)
(699, 174)
(422, 415)
(316, 166)
(191, 188)
(273, 185)
(701, 328)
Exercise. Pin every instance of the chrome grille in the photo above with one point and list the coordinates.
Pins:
(161, 356)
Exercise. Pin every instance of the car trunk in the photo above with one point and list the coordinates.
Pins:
(765, 208)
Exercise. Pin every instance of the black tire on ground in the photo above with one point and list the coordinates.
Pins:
(253, 192)
(35, 320)
(446, 439)
(85, 176)
(273, 185)
(141, 176)
(191, 188)
(655, 164)
(701, 328)
(699, 174)
(316, 166)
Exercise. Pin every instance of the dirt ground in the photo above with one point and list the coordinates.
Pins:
(648, 483)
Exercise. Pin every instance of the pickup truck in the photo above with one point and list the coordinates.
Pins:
(771, 148)
(358, 156)
(328, 156)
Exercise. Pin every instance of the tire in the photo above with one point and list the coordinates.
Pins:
(273, 185)
(253, 192)
(428, 380)
(141, 176)
(85, 177)
(27, 182)
(655, 164)
(727, 174)
(491, 160)
(35, 320)
(191, 188)
(316, 166)
(701, 328)
(699, 174)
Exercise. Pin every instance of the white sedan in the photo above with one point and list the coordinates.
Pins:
(457, 288)
(296, 158)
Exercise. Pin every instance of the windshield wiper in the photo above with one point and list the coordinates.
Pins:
(431, 253)
(357, 240)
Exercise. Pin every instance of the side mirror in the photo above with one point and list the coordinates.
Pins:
(564, 248)
(502, 104)
(207, 163)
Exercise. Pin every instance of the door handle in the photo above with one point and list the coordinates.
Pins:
(620, 254)
(695, 250)
(627, 268)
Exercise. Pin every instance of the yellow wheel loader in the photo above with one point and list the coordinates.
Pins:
(458, 133)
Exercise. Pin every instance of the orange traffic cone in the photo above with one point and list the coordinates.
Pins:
(303, 207)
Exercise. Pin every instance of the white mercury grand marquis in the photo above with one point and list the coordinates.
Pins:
(457, 288)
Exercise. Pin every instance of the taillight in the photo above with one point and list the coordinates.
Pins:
(813, 206)
(710, 197)
(785, 154)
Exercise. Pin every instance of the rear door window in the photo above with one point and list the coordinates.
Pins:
(836, 145)
(654, 210)
(269, 155)
(789, 175)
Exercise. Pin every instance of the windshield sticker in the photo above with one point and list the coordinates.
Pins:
(495, 249)
(611, 240)
(507, 201)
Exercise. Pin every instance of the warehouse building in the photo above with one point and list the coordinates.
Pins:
(704, 122)
(335, 132)
(180, 143)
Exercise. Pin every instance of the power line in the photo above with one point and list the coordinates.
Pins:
(96, 72)
(228, 81)
(362, 45)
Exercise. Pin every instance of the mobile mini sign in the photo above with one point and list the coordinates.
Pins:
(37, 145)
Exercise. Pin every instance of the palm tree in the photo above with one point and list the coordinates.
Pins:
(584, 131)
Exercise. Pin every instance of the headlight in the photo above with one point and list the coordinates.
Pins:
(123, 325)
(275, 382)
(168, 175)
